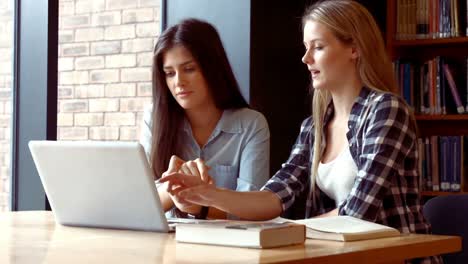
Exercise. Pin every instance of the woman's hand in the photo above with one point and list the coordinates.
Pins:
(257, 205)
(196, 170)
(189, 192)
(175, 165)
(191, 189)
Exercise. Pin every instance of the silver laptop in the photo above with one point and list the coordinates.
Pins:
(99, 184)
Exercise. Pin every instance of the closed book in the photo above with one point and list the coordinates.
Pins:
(242, 234)
(453, 89)
(345, 228)
(435, 163)
(456, 142)
(443, 163)
(428, 163)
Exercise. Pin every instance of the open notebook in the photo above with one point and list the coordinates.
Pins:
(345, 228)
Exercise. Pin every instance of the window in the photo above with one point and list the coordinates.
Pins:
(104, 67)
(6, 76)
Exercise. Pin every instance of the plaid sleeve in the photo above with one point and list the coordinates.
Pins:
(388, 137)
(291, 179)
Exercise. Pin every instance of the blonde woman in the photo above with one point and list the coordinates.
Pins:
(357, 154)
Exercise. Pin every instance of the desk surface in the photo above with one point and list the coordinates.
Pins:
(33, 237)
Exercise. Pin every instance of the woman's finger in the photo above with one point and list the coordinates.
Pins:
(184, 169)
(172, 177)
(203, 169)
(174, 164)
(173, 180)
(181, 179)
(192, 166)
(175, 193)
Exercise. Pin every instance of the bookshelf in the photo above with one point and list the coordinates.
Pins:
(432, 193)
(424, 49)
(463, 117)
(430, 42)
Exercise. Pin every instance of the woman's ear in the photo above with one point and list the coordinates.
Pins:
(354, 52)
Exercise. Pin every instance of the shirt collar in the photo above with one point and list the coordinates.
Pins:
(359, 103)
(228, 123)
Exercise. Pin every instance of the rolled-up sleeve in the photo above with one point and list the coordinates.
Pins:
(291, 180)
(389, 137)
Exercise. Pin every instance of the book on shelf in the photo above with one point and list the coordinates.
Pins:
(421, 165)
(435, 164)
(428, 164)
(457, 166)
(345, 228)
(418, 19)
(268, 234)
(434, 86)
(466, 78)
(441, 163)
(453, 89)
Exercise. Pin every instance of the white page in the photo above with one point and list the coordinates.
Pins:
(342, 224)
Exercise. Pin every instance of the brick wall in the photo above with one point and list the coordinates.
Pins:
(104, 72)
(6, 65)
(105, 56)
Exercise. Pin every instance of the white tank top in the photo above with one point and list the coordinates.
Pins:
(336, 178)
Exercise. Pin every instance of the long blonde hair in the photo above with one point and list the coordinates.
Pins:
(352, 24)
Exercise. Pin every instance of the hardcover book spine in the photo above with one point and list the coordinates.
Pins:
(444, 181)
(419, 19)
(442, 88)
(466, 106)
(456, 163)
(438, 105)
(435, 163)
(453, 89)
(427, 147)
(422, 179)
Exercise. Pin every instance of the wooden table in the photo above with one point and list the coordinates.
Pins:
(33, 237)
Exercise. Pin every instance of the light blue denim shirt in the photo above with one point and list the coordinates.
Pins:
(238, 150)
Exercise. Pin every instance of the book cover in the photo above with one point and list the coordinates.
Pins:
(406, 87)
(456, 13)
(444, 162)
(453, 89)
(422, 180)
(420, 27)
(242, 234)
(345, 228)
(427, 148)
(466, 18)
(424, 87)
(443, 92)
(438, 101)
(435, 163)
(456, 144)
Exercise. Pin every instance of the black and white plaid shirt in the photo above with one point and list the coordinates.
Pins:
(382, 142)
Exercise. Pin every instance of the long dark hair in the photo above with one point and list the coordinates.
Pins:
(202, 40)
